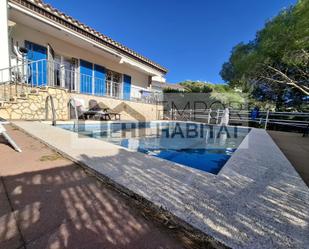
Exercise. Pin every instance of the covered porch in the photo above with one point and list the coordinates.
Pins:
(48, 50)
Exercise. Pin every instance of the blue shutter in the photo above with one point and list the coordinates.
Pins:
(86, 77)
(126, 87)
(99, 80)
(37, 54)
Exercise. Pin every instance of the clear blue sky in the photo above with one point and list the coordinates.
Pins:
(192, 38)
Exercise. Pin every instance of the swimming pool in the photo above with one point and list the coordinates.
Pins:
(196, 145)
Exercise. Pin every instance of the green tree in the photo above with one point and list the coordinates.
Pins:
(274, 66)
(220, 92)
(196, 87)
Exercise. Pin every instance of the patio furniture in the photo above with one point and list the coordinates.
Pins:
(105, 112)
(92, 112)
(101, 115)
(115, 114)
(8, 138)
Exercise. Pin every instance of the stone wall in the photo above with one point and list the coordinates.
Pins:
(32, 106)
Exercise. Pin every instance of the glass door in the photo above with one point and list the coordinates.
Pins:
(68, 73)
(64, 70)
(113, 84)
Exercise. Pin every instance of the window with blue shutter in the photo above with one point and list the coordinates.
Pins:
(99, 80)
(37, 71)
(86, 77)
(126, 87)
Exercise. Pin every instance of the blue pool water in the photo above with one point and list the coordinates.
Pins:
(194, 145)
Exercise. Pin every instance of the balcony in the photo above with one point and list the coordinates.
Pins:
(46, 73)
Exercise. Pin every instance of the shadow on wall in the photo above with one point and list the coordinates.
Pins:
(129, 109)
(65, 208)
(124, 108)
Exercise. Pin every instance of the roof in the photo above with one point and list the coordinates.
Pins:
(55, 15)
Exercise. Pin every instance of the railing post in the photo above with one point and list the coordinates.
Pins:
(266, 120)
(209, 116)
(92, 81)
(16, 81)
(37, 73)
(26, 68)
(217, 117)
(42, 74)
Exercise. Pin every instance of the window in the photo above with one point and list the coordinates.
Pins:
(113, 84)
(64, 70)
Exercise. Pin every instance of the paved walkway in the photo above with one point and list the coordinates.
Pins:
(296, 149)
(48, 202)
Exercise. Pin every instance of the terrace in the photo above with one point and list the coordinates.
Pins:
(256, 199)
(47, 201)
(183, 169)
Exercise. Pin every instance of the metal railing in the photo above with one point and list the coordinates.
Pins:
(208, 116)
(49, 99)
(21, 78)
(140, 94)
(239, 117)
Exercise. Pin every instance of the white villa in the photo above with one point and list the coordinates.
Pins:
(42, 47)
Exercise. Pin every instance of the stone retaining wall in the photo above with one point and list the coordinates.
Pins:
(32, 106)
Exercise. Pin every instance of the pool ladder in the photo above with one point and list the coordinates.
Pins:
(72, 103)
(50, 98)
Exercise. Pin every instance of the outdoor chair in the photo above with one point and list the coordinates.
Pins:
(8, 138)
(92, 113)
(105, 112)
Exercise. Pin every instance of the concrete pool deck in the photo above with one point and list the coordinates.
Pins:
(48, 202)
(257, 200)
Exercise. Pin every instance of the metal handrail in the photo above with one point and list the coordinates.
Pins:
(45, 72)
(49, 97)
(72, 103)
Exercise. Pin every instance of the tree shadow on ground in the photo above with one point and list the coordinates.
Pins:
(234, 208)
(66, 208)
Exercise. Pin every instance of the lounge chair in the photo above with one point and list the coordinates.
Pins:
(96, 115)
(83, 113)
(8, 138)
(94, 111)
(115, 114)
(105, 112)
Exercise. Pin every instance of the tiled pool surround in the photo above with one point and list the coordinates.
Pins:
(256, 201)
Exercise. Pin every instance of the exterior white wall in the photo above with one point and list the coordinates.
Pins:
(21, 33)
(159, 79)
(4, 43)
